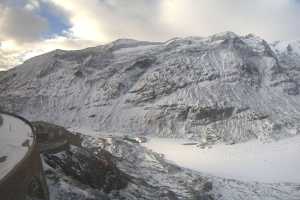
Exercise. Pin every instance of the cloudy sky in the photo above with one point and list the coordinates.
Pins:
(32, 27)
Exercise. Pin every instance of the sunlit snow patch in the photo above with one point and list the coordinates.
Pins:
(251, 161)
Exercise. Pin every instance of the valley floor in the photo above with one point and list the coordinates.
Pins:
(248, 171)
(273, 162)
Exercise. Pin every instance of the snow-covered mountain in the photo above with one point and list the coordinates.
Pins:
(224, 87)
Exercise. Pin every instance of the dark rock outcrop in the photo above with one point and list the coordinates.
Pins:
(54, 138)
(97, 171)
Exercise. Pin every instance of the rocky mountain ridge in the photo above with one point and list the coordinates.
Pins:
(225, 88)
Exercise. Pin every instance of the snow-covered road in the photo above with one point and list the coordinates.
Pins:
(252, 161)
(15, 138)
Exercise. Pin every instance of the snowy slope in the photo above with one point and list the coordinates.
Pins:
(292, 47)
(225, 87)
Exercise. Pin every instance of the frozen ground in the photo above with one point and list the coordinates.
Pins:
(252, 161)
(154, 175)
(15, 138)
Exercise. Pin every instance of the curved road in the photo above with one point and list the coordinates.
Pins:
(15, 139)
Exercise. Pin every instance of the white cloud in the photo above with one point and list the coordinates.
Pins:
(106, 20)
(32, 5)
(271, 19)
(98, 21)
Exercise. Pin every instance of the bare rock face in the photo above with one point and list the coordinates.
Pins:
(116, 168)
(98, 172)
(63, 154)
(226, 87)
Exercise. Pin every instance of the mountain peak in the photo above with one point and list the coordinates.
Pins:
(226, 34)
(190, 87)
